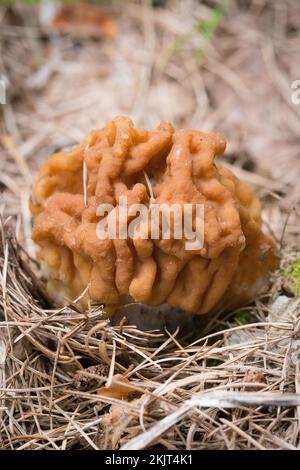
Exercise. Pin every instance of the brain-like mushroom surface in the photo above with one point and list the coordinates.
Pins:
(159, 167)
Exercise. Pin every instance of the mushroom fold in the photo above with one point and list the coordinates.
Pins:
(158, 167)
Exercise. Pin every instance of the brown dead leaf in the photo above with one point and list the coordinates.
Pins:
(254, 377)
(114, 424)
(119, 388)
(85, 20)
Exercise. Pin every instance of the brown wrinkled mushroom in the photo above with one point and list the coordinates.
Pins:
(179, 166)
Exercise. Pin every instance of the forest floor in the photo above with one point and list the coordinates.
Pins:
(236, 383)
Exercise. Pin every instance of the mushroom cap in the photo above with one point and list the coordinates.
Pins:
(158, 168)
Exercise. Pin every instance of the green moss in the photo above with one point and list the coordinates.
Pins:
(243, 317)
(293, 276)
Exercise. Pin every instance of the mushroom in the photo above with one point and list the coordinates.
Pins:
(156, 169)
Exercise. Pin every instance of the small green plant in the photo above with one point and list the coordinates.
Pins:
(208, 27)
(243, 317)
(204, 28)
(293, 276)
